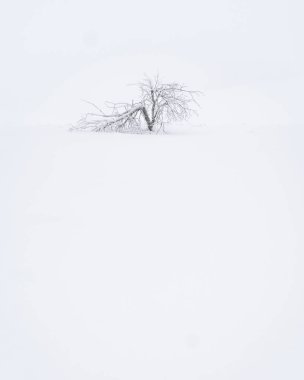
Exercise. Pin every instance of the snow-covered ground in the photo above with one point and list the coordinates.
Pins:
(131, 257)
(152, 257)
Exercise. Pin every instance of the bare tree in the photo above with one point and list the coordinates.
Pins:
(160, 103)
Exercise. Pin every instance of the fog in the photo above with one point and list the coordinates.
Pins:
(246, 56)
(170, 256)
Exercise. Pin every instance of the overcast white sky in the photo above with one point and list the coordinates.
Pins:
(54, 53)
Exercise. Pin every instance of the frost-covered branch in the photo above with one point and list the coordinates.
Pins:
(160, 104)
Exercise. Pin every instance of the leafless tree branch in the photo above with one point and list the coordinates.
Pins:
(160, 103)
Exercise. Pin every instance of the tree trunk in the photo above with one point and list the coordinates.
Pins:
(147, 118)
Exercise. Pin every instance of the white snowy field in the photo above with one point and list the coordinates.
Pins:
(131, 257)
(152, 257)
